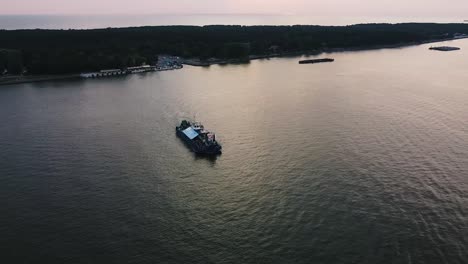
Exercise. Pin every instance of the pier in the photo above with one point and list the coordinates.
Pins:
(164, 63)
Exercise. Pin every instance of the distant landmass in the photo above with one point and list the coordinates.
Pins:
(74, 51)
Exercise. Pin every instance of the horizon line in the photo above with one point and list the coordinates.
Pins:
(133, 14)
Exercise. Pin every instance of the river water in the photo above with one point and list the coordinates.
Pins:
(103, 21)
(363, 160)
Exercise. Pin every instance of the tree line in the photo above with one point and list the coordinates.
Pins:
(11, 61)
(73, 51)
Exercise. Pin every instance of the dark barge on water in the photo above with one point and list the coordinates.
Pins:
(199, 140)
(316, 61)
(444, 48)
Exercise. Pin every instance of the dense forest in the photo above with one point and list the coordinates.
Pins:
(73, 51)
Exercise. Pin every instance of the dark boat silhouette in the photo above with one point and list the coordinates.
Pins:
(198, 139)
(316, 61)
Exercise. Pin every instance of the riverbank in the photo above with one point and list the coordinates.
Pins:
(8, 80)
(18, 79)
(214, 61)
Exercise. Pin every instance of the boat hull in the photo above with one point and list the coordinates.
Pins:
(197, 147)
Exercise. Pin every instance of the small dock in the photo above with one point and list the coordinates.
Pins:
(164, 63)
(444, 48)
(316, 61)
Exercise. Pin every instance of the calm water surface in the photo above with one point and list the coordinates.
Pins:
(104, 21)
(364, 160)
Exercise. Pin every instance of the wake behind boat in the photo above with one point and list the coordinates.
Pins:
(198, 139)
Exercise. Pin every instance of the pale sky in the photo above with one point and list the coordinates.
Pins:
(430, 8)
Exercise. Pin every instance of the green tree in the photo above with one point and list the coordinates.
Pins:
(3, 61)
(14, 62)
(237, 50)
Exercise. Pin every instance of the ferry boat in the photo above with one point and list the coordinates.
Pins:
(198, 139)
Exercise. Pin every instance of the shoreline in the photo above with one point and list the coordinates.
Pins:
(19, 79)
(11, 80)
(200, 63)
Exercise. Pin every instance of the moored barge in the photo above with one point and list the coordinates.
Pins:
(444, 48)
(316, 61)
